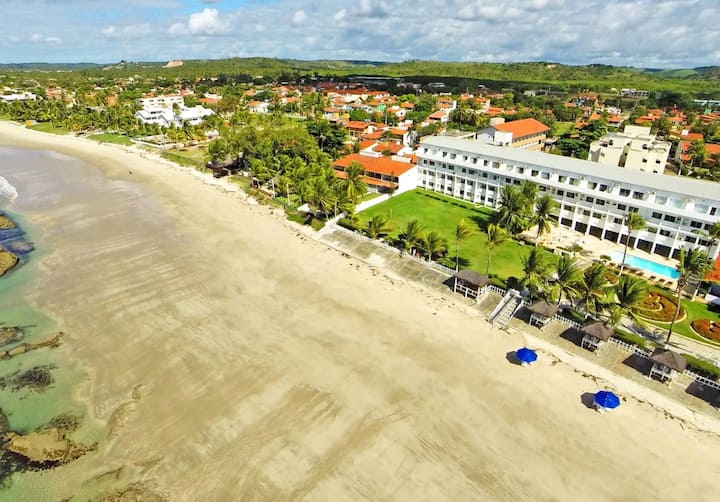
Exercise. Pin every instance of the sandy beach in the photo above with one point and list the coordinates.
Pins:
(230, 357)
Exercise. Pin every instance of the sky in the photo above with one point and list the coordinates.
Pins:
(640, 33)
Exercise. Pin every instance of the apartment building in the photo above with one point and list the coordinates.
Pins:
(155, 102)
(525, 133)
(634, 148)
(591, 199)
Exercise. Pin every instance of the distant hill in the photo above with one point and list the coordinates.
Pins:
(47, 66)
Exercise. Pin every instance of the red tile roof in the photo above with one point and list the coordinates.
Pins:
(522, 128)
(377, 165)
(393, 148)
(711, 148)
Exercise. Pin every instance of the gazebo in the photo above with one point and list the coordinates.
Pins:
(594, 334)
(666, 364)
(541, 312)
(470, 283)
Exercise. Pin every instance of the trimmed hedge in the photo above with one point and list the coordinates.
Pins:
(707, 329)
(631, 338)
(703, 368)
(658, 307)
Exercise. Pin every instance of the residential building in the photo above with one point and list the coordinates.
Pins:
(590, 200)
(635, 93)
(18, 96)
(381, 173)
(634, 148)
(525, 133)
(712, 149)
(154, 102)
(166, 117)
(258, 107)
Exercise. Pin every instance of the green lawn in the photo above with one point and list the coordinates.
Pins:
(48, 127)
(441, 214)
(117, 139)
(191, 157)
(563, 128)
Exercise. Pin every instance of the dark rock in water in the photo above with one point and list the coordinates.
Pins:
(4, 424)
(10, 334)
(37, 378)
(19, 246)
(66, 423)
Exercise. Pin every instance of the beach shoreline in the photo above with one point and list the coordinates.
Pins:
(346, 419)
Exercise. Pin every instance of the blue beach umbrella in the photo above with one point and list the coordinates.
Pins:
(526, 356)
(606, 400)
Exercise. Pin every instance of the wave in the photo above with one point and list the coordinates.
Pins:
(8, 193)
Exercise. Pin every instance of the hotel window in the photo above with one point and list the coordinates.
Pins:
(545, 176)
(562, 179)
(432, 162)
(444, 154)
(621, 207)
(521, 170)
(713, 210)
(560, 193)
(665, 233)
(570, 195)
(690, 238)
(603, 188)
(471, 172)
(474, 160)
(534, 172)
(703, 242)
(600, 202)
(638, 195)
(542, 189)
(617, 220)
(586, 212)
(634, 209)
(484, 175)
(651, 230)
(624, 192)
(597, 215)
(589, 199)
(464, 170)
(669, 218)
(657, 215)
(592, 185)
(660, 200)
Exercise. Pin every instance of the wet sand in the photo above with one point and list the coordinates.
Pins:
(230, 358)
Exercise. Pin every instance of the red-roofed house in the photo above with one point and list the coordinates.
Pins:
(682, 150)
(529, 134)
(357, 128)
(381, 174)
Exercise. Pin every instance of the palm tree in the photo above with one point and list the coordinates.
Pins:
(568, 277)
(542, 218)
(529, 190)
(353, 184)
(511, 213)
(697, 152)
(378, 226)
(629, 294)
(633, 221)
(535, 266)
(322, 196)
(592, 289)
(433, 245)
(496, 235)
(462, 232)
(694, 264)
(411, 236)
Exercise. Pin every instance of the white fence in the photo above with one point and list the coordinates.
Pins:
(371, 202)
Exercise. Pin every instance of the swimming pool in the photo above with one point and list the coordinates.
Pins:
(646, 265)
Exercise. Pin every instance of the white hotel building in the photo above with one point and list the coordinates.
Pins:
(592, 198)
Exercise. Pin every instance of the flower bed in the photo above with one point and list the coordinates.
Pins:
(707, 329)
(658, 307)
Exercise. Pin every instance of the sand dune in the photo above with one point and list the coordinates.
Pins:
(233, 359)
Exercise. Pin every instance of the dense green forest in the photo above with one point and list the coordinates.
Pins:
(701, 82)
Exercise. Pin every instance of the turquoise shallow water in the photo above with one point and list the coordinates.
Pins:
(28, 410)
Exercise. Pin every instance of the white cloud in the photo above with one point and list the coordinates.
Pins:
(299, 17)
(127, 31)
(339, 15)
(207, 22)
(39, 38)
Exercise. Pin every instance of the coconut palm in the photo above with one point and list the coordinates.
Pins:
(698, 153)
(462, 231)
(535, 267)
(693, 264)
(378, 226)
(544, 208)
(511, 215)
(568, 277)
(629, 295)
(433, 245)
(632, 221)
(412, 236)
(322, 196)
(496, 235)
(353, 184)
(529, 190)
(593, 287)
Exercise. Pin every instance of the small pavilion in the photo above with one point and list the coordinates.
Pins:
(541, 312)
(666, 364)
(594, 334)
(470, 283)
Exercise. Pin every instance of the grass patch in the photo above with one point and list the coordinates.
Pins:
(562, 128)
(441, 214)
(703, 368)
(48, 127)
(184, 159)
(116, 139)
(632, 339)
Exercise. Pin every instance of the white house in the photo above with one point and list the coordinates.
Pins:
(166, 117)
(590, 200)
(24, 96)
(634, 148)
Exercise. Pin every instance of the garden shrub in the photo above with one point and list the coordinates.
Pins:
(702, 368)
(349, 224)
(707, 329)
(658, 307)
(631, 338)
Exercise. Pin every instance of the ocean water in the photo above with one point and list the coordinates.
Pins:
(27, 409)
